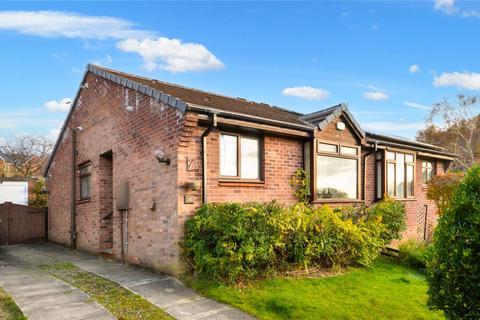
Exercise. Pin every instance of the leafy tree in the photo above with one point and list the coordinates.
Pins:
(39, 195)
(453, 268)
(460, 132)
(442, 187)
(27, 154)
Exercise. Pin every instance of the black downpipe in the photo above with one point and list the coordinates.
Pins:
(73, 224)
(212, 125)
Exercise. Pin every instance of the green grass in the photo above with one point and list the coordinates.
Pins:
(8, 308)
(122, 303)
(387, 290)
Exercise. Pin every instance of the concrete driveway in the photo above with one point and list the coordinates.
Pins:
(41, 296)
(163, 291)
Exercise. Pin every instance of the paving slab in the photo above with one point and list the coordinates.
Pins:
(164, 291)
(41, 296)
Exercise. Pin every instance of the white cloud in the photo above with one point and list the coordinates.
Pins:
(449, 7)
(375, 95)
(414, 68)
(58, 106)
(416, 105)
(171, 54)
(306, 92)
(68, 25)
(465, 80)
(393, 126)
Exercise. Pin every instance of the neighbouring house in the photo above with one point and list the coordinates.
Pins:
(136, 157)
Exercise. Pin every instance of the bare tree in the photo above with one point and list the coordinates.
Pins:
(461, 129)
(27, 154)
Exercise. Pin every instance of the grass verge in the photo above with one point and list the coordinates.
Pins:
(387, 290)
(122, 303)
(8, 308)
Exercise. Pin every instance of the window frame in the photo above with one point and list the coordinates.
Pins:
(84, 165)
(316, 152)
(405, 170)
(238, 176)
(434, 169)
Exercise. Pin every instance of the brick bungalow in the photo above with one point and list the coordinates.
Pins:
(137, 156)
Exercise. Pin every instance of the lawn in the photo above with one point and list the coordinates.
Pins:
(387, 290)
(8, 308)
(122, 303)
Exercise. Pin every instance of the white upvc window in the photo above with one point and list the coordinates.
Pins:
(239, 156)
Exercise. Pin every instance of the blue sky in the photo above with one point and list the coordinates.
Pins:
(388, 60)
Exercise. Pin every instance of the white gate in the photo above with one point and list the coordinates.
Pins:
(14, 191)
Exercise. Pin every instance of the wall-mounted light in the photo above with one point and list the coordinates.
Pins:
(161, 157)
(130, 108)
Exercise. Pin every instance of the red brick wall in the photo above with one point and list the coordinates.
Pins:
(133, 138)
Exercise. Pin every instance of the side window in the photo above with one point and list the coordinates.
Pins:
(85, 174)
(428, 171)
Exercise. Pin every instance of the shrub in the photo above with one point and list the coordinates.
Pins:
(319, 236)
(441, 188)
(393, 217)
(233, 241)
(301, 186)
(453, 268)
(414, 253)
(230, 241)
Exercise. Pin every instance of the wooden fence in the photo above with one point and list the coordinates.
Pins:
(22, 224)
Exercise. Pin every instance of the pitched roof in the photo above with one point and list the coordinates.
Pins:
(212, 100)
(323, 117)
(184, 98)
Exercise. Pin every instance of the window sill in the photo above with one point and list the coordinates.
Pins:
(337, 201)
(241, 183)
(84, 200)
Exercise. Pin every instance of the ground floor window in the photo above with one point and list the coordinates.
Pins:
(239, 156)
(85, 175)
(336, 171)
(400, 174)
(428, 171)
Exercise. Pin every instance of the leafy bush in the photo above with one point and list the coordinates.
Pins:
(414, 253)
(441, 188)
(320, 236)
(301, 186)
(232, 241)
(229, 241)
(393, 216)
(453, 268)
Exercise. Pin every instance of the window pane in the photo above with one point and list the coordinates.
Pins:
(391, 179)
(391, 155)
(348, 150)
(85, 187)
(378, 155)
(378, 176)
(228, 155)
(410, 170)
(408, 158)
(250, 158)
(325, 147)
(400, 176)
(85, 170)
(336, 178)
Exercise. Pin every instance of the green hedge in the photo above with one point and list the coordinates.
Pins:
(453, 267)
(414, 253)
(232, 241)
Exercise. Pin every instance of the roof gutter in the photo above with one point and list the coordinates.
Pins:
(447, 155)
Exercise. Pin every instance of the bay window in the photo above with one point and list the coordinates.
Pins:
(400, 173)
(336, 171)
(239, 157)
